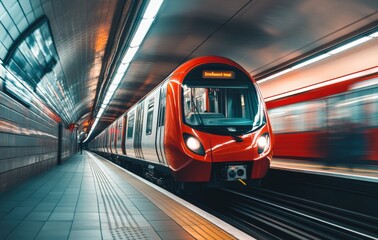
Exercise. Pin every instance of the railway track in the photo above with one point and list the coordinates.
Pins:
(266, 214)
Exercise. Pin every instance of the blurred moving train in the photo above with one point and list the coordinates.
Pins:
(335, 120)
(205, 123)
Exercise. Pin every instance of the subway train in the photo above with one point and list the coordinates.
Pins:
(206, 123)
(336, 120)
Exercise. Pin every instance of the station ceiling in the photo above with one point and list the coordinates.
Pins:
(261, 35)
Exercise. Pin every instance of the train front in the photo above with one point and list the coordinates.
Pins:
(225, 135)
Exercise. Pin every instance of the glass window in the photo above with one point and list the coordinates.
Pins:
(111, 129)
(299, 117)
(130, 127)
(150, 115)
(119, 131)
(226, 106)
(360, 107)
(161, 116)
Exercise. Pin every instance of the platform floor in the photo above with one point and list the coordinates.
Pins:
(88, 197)
(361, 172)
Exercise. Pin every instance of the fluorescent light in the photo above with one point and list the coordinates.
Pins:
(112, 88)
(322, 84)
(141, 32)
(374, 35)
(276, 75)
(100, 112)
(152, 9)
(350, 45)
(320, 57)
(312, 60)
(122, 68)
(117, 79)
(143, 27)
(107, 99)
(95, 122)
(93, 127)
(129, 55)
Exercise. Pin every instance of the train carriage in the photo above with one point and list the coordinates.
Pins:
(336, 120)
(205, 123)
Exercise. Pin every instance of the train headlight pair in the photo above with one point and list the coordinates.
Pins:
(194, 144)
(263, 143)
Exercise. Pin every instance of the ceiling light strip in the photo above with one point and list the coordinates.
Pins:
(138, 37)
(332, 52)
(323, 84)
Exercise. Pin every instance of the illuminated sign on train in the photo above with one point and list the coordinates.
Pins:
(218, 74)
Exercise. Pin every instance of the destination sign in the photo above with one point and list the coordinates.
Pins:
(218, 74)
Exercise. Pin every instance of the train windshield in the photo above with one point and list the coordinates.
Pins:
(223, 108)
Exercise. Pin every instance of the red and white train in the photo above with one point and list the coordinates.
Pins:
(335, 120)
(205, 123)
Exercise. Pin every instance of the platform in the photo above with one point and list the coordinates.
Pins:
(361, 172)
(88, 197)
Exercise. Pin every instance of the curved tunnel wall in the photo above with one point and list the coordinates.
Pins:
(28, 141)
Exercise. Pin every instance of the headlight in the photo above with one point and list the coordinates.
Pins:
(194, 144)
(263, 143)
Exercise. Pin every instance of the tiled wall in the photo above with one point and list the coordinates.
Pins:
(28, 141)
(28, 134)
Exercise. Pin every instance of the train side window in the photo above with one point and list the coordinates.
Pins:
(357, 114)
(119, 131)
(275, 116)
(130, 127)
(150, 114)
(111, 135)
(364, 107)
(314, 115)
(373, 108)
(163, 95)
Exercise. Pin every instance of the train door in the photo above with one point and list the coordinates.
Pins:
(129, 143)
(111, 139)
(106, 140)
(139, 115)
(118, 132)
(103, 142)
(149, 129)
(123, 142)
(114, 137)
(160, 126)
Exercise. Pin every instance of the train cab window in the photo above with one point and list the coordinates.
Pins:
(150, 114)
(221, 105)
(130, 127)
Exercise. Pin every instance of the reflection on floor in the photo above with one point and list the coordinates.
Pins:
(89, 198)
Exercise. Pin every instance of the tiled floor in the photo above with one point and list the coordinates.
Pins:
(87, 198)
